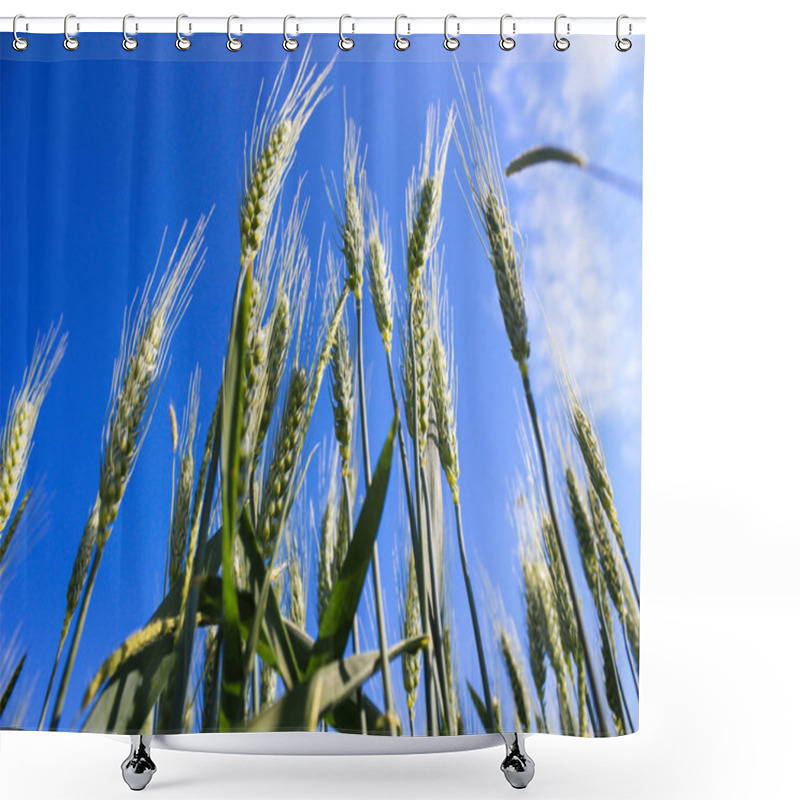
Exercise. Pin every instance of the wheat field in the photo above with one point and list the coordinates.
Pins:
(274, 614)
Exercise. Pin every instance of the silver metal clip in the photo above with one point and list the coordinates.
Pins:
(128, 42)
(70, 42)
(290, 44)
(561, 43)
(623, 45)
(233, 44)
(451, 42)
(401, 42)
(345, 42)
(18, 43)
(181, 42)
(507, 42)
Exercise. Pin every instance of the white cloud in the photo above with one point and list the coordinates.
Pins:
(579, 262)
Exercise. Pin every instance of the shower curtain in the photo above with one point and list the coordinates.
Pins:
(320, 373)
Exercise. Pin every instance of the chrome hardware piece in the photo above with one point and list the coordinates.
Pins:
(561, 43)
(451, 42)
(233, 44)
(70, 42)
(128, 42)
(18, 43)
(517, 766)
(289, 43)
(345, 42)
(181, 42)
(507, 42)
(400, 42)
(138, 768)
(623, 45)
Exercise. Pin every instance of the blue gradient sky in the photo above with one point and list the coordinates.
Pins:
(100, 149)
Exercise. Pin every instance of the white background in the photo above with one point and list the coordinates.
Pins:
(721, 537)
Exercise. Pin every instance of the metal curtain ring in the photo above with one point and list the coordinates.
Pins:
(401, 42)
(507, 42)
(345, 42)
(233, 44)
(451, 42)
(70, 42)
(561, 43)
(128, 42)
(289, 44)
(623, 45)
(18, 43)
(181, 42)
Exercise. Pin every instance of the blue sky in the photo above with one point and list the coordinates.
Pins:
(101, 149)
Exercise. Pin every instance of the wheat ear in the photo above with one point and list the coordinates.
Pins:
(147, 333)
(181, 519)
(23, 413)
(272, 150)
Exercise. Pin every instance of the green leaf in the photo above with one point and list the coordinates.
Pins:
(336, 624)
(480, 707)
(345, 717)
(6, 541)
(232, 699)
(125, 703)
(185, 641)
(6, 695)
(275, 631)
(302, 707)
(540, 155)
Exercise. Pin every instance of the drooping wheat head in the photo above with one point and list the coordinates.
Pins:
(23, 413)
(181, 519)
(272, 150)
(481, 159)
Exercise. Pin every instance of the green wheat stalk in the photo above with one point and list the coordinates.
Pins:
(353, 247)
(482, 164)
(443, 393)
(147, 333)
